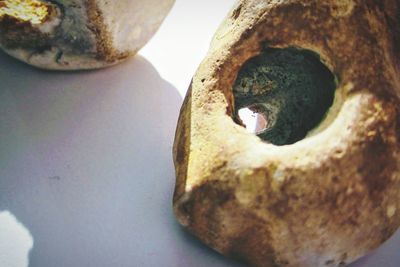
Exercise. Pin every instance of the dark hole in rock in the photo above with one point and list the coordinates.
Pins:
(290, 88)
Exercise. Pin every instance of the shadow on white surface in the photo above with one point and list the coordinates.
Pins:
(86, 166)
(388, 255)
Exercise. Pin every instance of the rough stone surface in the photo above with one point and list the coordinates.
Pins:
(325, 200)
(82, 34)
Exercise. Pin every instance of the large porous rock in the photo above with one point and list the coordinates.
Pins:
(78, 34)
(319, 185)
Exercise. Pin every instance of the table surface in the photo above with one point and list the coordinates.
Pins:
(86, 172)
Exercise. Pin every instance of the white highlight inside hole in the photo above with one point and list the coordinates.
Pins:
(255, 122)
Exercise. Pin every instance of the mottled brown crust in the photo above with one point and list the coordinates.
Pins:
(15, 33)
(23, 35)
(78, 34)
(104, 43)
(326, 200)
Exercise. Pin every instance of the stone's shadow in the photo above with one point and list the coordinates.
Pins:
(205, 252)
(86, 165)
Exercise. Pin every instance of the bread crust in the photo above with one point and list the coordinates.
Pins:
(326, 200)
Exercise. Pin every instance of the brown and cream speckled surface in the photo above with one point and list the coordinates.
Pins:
(80, 34)
(326, 200)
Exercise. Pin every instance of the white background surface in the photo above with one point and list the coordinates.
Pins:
(86, 162)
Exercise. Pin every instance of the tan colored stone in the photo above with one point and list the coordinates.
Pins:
(78, 34)
(326, 200)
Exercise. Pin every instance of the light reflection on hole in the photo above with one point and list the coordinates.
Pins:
(255, 122)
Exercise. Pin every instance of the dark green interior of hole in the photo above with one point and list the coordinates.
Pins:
(290, 87)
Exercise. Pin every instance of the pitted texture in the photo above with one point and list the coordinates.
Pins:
(325, 200)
